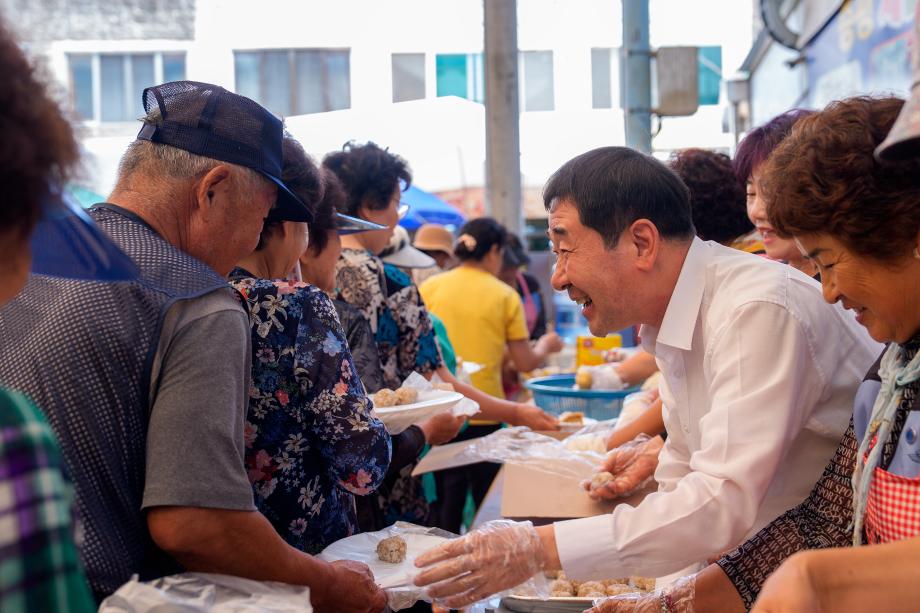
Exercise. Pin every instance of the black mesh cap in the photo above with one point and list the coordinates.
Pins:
(209, 121)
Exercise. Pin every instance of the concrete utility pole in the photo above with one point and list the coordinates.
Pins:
(637, 76)
(503, 147)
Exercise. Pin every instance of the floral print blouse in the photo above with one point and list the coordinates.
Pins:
(406, 343)
(311, 441)
(390, 302)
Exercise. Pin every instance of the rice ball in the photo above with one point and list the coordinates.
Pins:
(561, 587)
(406, 395)
(591, 589)
(392, 549)
(385, 398)
(615, 589)
(600, 479)
(646, 584)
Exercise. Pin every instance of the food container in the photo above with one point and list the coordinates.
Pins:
(557, 394)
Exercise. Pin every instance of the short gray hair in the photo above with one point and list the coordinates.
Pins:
(167, 162)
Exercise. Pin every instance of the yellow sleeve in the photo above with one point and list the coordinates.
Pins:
(516, 326)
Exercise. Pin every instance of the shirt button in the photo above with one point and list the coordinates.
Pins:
(910, 436)
(678, 374)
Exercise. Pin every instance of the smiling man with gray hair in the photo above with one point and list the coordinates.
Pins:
(146, 382)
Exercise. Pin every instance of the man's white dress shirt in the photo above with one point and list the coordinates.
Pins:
(758, 379)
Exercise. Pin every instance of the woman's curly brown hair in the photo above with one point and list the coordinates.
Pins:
(37, 148)
(717, 197)
(824, 179)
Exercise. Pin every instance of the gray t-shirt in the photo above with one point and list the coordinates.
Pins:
(199, 391)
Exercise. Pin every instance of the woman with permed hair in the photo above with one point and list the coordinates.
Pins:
(373, 180)
(717, 200)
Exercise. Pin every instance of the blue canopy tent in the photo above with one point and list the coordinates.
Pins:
(425, 208)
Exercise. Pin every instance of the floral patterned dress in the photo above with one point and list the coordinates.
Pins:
(406, 343)
(391, 304)
(311, 441)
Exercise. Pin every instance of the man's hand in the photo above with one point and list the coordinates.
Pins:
(497, 556)
(790, 589)
(350, 588)
(533, 417)
(441, 428)
(631, 464)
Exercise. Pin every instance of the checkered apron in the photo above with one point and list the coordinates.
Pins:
(893, 507)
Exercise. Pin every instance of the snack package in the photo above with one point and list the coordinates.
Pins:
(590, 350)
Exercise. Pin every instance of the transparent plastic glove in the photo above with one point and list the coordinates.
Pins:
(676, 598)
(630, 467)
(499, 555)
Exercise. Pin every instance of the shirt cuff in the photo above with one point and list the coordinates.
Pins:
(587, 548)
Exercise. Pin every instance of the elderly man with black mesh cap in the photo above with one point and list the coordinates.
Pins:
(146, 382)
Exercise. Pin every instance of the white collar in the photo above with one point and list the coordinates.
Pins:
(680, 318)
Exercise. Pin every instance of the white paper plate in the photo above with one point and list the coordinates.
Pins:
(398, 418)
(363, 548)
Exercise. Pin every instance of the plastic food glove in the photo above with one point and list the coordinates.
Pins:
(628, 468)
(789, 589)
(677, 598)
(499, 555)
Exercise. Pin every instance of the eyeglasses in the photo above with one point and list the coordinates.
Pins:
(403, 210)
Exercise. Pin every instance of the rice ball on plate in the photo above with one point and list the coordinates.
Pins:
(561, 587)
(384, 398)
(646, 584)
(615, 589)
(591, 589)
(392, 549)
(406, 395)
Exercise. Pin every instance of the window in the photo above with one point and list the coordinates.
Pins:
(408, 76)
(107, 87)
(710, 75)
(460, 75)
(605, 77)
(295, 81)
(537, 80)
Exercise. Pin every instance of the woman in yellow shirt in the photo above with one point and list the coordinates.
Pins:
(483, 317)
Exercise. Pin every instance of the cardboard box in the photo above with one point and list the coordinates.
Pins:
(529, 493)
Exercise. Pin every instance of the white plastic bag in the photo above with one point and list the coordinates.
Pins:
(203, 592)
(592, 437)
(524, 447)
